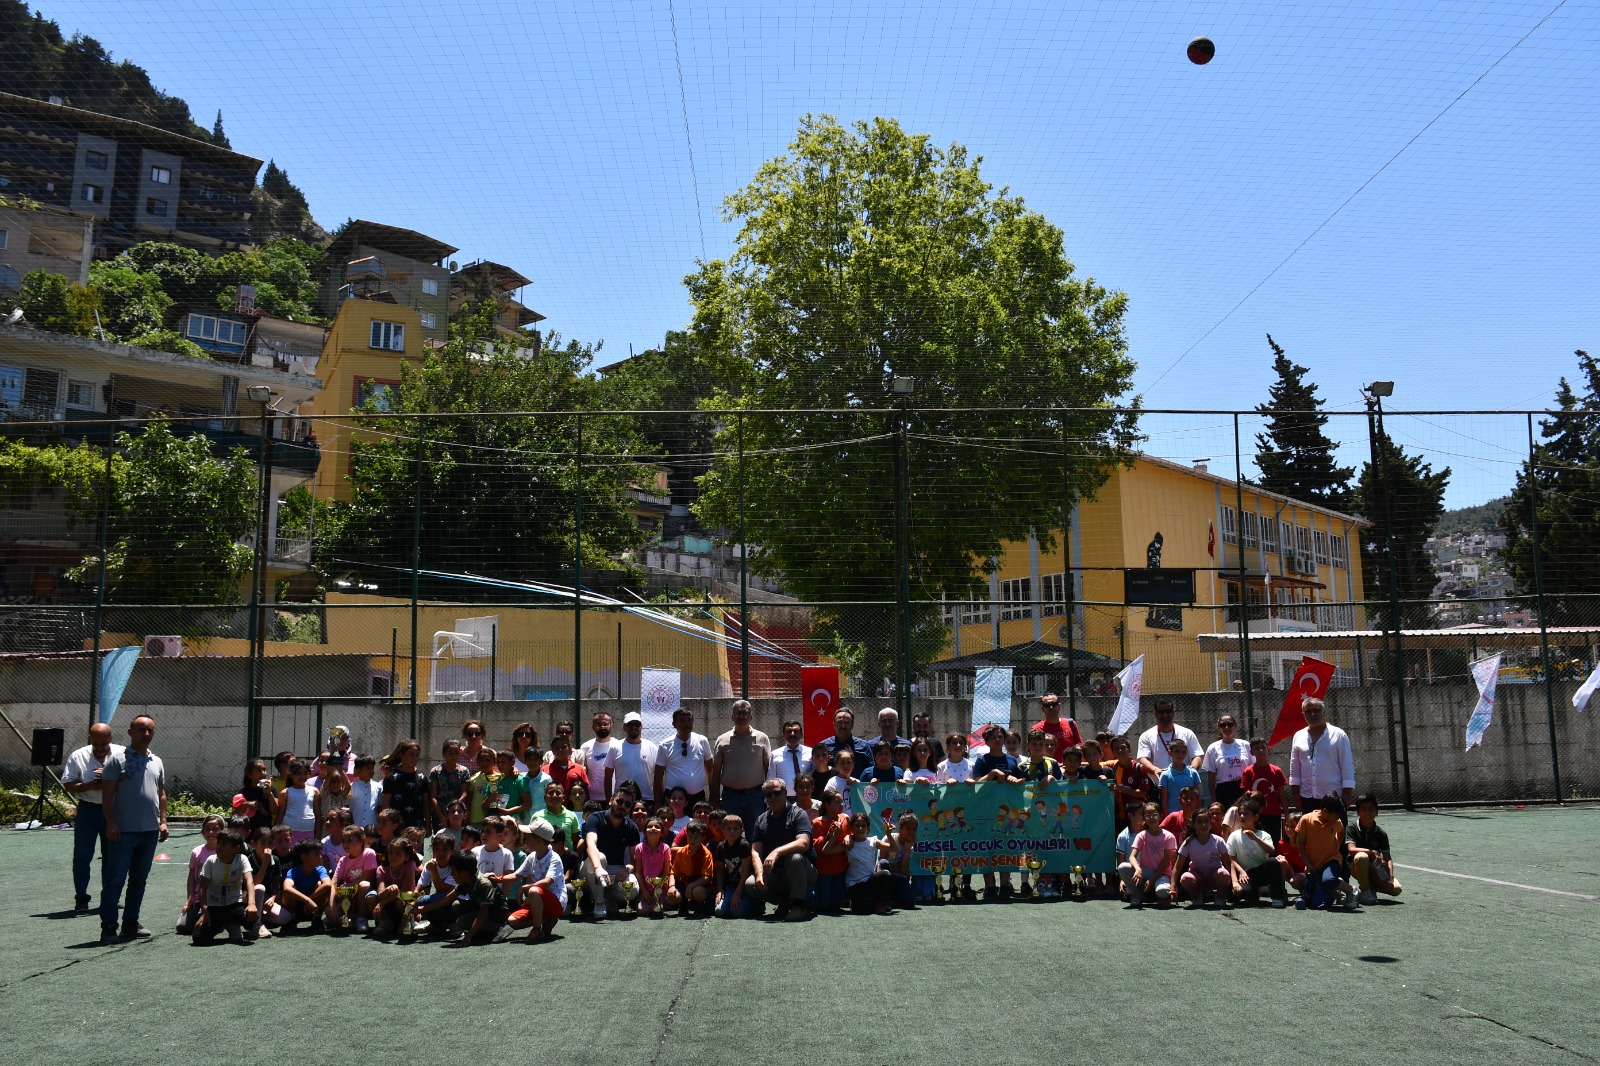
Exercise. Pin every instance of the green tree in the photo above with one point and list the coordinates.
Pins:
(1415, 495)
(499, 493)
(1294, 455)
(132, 302)
(282, 271)
(218, 137)
(176, 515)
(864, 254)
(1561, 484)
(49, 301)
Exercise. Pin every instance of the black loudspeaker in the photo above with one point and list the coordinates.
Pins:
(48, 745)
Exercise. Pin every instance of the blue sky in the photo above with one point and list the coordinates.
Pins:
(552, 137)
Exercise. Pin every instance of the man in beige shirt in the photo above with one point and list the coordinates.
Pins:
(739, 766)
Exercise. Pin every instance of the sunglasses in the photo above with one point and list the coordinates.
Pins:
(474, 733)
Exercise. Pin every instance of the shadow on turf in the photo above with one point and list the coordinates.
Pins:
(58, 916)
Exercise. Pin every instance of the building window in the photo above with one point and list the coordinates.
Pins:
(975, 613)
(1247, 529)
(1286, 538)
(161, 175)
(430, 287)
(80, 394)
(1336, 552)
(155, 207)
(376, 395)
(1269, 535)
(208, 328)
(1017, 592)
(390, 336)
(93, 194)
(1053, 595)
(95, 160)
(1320, 540)
(429, 319)
(1230, 532)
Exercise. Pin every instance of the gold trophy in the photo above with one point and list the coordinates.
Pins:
(1034, 862)
(938, 866)
(408, 919)
(1078, 879)
(658, 884)
(347, 893)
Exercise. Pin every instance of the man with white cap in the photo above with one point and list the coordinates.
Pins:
(636, 759)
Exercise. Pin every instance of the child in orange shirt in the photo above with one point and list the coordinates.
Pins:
(692, 871)
(1320, 837)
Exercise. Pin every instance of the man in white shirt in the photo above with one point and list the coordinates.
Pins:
(636, 759)
(598, 755)
(793, 760)
(1320, 762)
(683, 760)
(1153, 742)
(81, 778)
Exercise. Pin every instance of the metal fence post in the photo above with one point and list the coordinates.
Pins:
(100, 591)
(744, 582)
(1244, 591)
(1397, 670)
(494, 658)
(1544, 629)
(416, 562)
(577, 580)
(1068, 589)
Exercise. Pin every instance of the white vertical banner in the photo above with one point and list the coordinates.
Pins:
(991, 697)
(1131, 682)
(1486, 675)
(660, 693)
(1580, 698)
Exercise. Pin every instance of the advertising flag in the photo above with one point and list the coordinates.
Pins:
(115, 669)
(1311, 678)
(1580, 698)
(991, 701)
(819, 693)
(660, 692)
(1131, 680)
(1486, 675)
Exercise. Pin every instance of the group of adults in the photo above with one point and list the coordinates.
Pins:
(121, 790)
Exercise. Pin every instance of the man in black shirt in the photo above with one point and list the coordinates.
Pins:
(780, 855)
(607, 837)
(922, 726)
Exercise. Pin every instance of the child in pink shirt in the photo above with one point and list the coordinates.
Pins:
(357, 870)
(1154, 852)
(1204, 865)
(652, 858)
(193, 902)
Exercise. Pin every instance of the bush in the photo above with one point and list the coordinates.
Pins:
(166, 340)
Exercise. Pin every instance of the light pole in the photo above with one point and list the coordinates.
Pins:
(903, 387)
(1379, 450)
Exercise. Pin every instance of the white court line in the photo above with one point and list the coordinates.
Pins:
(1492, 881)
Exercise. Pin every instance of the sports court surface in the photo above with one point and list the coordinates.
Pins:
(1459, 971)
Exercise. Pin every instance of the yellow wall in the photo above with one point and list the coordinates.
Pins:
(1114, 531)
(347, 359)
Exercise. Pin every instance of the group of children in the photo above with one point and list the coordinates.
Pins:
(340, 851)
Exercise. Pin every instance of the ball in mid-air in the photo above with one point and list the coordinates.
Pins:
(1201, 51)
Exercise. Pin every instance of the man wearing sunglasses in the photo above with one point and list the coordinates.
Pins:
(1065, 730)
(683, 760)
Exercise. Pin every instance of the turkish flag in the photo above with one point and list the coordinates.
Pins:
(819, 694)
(1211, 540)
(1311, 678)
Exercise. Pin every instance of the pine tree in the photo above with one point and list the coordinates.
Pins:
(1294, 455)
(1406, 489)
(219, 138)
(1561, 484)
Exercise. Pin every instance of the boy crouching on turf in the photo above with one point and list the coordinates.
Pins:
(227, 892)
(1368, 847)
(544, 882)
(478, 903)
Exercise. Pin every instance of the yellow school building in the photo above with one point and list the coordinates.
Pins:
(1301, 573)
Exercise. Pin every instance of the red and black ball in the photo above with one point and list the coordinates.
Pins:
(1201, 51)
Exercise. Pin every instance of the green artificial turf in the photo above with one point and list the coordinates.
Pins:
(1459, 971)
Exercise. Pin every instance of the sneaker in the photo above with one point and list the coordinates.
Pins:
(1227, 904)
(1005, 892)
(421, 927)
(108, 935)
(1300, 904)
(1279, 904)
(797, 913)
(502, 934)
(361, 925)
(135, 932)
(263, 933)
(1351, 905)
(599, 913)
(1026, 891)
(1368, 898)
(81, 905)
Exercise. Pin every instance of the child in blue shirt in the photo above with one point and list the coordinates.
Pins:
(1178, 776)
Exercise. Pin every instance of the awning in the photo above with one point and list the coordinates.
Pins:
(1411, 639)
(1036, 656)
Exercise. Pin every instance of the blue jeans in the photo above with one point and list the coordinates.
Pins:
(88, 833)
(828, 895)
(726, 909)
(747, 803)
(126, 861)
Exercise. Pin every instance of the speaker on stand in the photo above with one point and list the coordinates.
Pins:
(49, 746)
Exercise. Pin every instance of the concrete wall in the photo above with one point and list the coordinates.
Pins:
(203, 742)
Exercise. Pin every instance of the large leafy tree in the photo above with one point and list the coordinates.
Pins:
(1414, 493)
(1294, 455)
(499, 493)
(1560, 484)
(864, 254)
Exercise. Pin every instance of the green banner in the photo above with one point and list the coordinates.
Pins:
(994, 825)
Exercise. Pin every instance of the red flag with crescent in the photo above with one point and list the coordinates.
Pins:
(1310, 679)
(819, 693)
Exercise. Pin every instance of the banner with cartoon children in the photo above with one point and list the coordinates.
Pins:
(995, 825)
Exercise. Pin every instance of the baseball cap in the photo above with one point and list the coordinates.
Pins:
(632, 716)
(543, 830)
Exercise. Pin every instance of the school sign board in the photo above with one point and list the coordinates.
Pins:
(996, 825)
